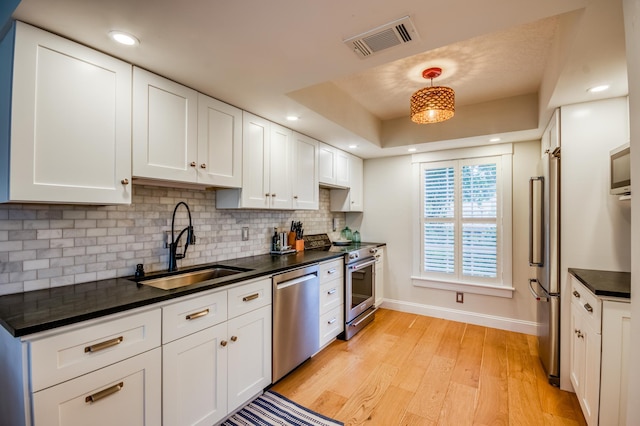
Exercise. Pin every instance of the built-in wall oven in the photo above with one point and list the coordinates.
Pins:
(359, 288)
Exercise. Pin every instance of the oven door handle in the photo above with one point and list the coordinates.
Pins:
(361, 265)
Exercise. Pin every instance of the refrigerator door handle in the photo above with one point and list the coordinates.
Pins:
(536, 295)
(539, 262)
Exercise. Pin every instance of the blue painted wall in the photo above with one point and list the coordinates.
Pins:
(6, 9)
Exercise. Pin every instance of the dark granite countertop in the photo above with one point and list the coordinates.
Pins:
(604, 283)
(35, 311)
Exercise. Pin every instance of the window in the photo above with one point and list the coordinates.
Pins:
(464, 238)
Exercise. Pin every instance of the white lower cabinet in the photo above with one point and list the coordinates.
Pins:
(331, 300)
(599, 351)
(125, 393)
(223, 358)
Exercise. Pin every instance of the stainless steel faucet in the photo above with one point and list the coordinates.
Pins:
(173, 246)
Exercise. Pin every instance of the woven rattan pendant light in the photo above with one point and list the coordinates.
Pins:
(432, 104)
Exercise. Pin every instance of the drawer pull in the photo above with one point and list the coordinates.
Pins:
(576, 294)
(250, 297)
(332, 291)
(332, 320)
(588, 308)
(234, 338)
(332, 271)
(104, 393)
(197, 314)
(103, 345)
(223, 343)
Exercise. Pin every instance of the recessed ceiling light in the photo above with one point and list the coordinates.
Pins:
(412, 150)
(494, 140)
(353, 146)
(292, 118)
(123, 38)
(596, 89)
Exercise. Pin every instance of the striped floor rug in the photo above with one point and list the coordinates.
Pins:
(271, 408)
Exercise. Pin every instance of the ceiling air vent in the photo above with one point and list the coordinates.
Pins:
(383, 37)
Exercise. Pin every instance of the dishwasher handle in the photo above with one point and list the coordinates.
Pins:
(296, 281)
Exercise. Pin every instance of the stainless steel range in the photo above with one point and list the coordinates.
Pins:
(359, 281)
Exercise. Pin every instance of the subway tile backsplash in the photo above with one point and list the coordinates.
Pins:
(43, 246)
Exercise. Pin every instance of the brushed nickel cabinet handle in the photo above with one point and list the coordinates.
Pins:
(104, 393)
(197, 314)
(331, 321)
(331, 271)
(273, 195)
(125, 181)
(223, 343)
(588, 308)
(332, 291)
(103, 345)
(234, 338)
(576, 294)
(193, 164)
(250, 297)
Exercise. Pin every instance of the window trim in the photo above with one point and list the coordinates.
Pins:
(505, 154)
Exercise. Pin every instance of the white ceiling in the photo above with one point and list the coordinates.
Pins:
(509, 62)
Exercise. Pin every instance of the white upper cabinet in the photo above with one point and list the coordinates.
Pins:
(306, 192)
(267, 154)
(350, 200)
(343, 172)
(165, 125)
(219, 143)
(181, 135)
(65, 115)
(327, 164)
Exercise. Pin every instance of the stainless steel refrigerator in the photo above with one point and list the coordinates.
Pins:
(544, 255)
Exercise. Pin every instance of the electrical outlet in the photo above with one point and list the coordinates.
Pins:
(245, 233)
(460, 297)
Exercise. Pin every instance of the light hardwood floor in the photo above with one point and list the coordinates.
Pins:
(406, 369)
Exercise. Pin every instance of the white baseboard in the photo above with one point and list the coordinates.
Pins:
(502, 323)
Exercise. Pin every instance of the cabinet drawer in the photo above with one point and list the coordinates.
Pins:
(189, 316)
(588, 303)
(125, 393)
(331, 295)
(331, 270)
(331, 324)
(66, 355)
(248, 297)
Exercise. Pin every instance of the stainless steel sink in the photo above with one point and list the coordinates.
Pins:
(182, 279)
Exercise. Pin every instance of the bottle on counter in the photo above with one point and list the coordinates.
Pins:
(275, 240)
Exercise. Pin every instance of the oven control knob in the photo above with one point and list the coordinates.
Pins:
(353, 256)
(373, 250)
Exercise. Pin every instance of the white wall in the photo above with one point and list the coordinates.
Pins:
(595, 226)
(632, 36)
(389, 197)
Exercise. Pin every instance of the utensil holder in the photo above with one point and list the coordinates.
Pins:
(299, 245)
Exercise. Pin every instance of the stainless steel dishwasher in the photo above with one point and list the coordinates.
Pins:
(296, 319)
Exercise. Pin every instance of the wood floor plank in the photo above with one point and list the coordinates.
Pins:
(381, 377)
(428, 399)
(453, 412)
(469, 361)
(361, 404)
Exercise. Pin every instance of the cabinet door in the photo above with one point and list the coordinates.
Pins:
(219, 143)
(577, 351)
(194, 378)
(616, 332)
(255, 164)
(356, 184)
(590, 400)
(280, 160)
(306, 192)
(164, 128)
(249, 355)
(123, 394)
(327, 164)
(70, 122)
(379, 276)
(343, 172)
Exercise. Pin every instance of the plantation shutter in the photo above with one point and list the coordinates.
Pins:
(439, 220)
